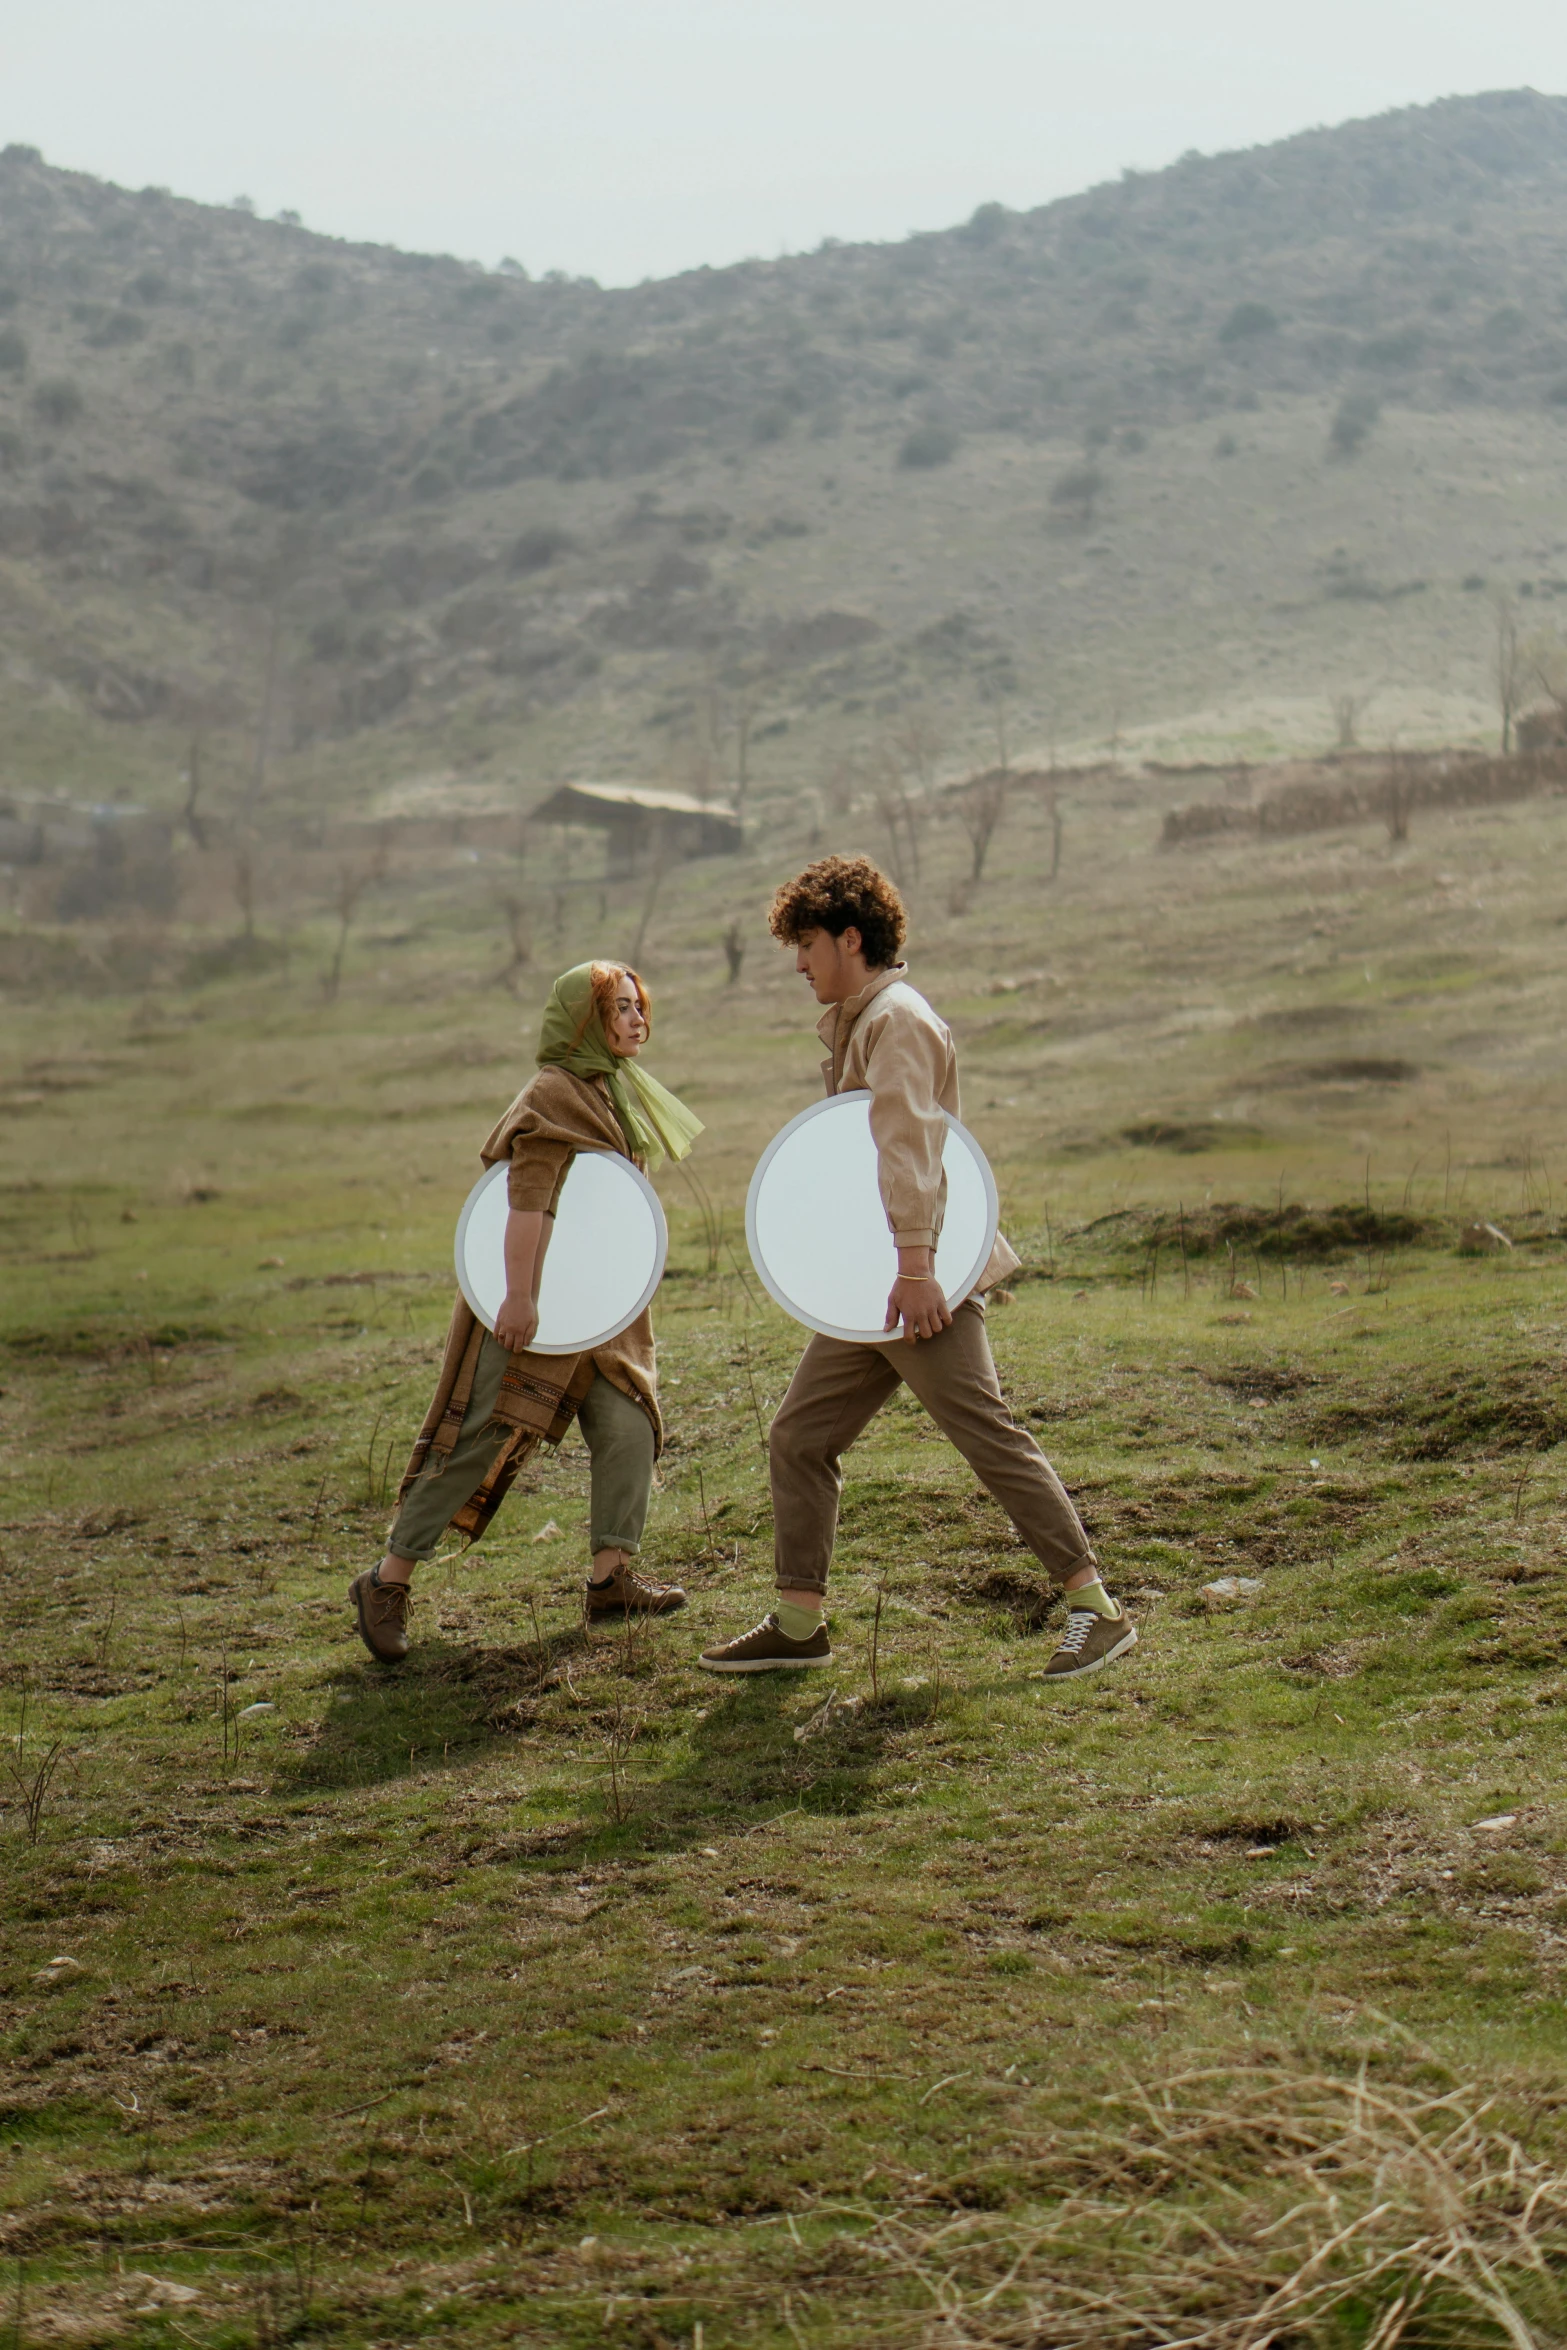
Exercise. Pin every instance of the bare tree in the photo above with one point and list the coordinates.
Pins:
(902, 816)
(918, 741)
(1057, 817)
(842, 788)
(734, 951)
(1348, 710)
(1548, 664)
(749, 699)
(1509, 667)
(659, 866)
(519, 934)
(995, 693)
(256, 784)
(705, 743)
(1398, 800)
(195, 824)
(245, 887)
(352, 882)
(981, 804)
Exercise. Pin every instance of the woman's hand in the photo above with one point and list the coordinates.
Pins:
(517, 1323)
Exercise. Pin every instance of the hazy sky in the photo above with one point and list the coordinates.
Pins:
(629, 138)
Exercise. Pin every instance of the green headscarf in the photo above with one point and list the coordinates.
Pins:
(572, 1037)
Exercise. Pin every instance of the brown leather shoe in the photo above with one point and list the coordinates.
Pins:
(382, 1613)
(627, 1593)
(768, 1650)
(1088, 1642)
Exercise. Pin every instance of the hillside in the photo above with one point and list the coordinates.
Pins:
(1201, 449)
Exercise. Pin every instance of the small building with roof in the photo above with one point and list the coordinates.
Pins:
(642, 823)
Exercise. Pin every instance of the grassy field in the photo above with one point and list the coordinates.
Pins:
(547, 1992)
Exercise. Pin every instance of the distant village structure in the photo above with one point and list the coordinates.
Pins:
(640, 825)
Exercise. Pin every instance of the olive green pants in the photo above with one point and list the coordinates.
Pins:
(619, 1438)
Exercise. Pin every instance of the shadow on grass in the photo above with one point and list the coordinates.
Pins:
(742, 1761)
(743, 1768)
(444, 1704)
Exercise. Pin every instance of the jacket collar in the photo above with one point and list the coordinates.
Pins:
(836, 1024)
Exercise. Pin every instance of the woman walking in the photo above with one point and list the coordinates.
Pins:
(494, 1401)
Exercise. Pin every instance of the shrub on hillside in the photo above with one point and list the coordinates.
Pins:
(537, 548)
(119, 326)
(13, 351)
(984, 225)
(1248, 320)
(58, 400)
(1077, 489)
(1352, 423)
(1400, 347)
(927, 445)
(329, 639)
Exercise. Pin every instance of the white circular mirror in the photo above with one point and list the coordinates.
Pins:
(817, 1229)
(604, 1261)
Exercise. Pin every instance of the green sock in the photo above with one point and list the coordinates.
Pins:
(1095, 1597)
(796, 1623)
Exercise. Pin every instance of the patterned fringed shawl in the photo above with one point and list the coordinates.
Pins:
(553, 1117)
(538, 1400)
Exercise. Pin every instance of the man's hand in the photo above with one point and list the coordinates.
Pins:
(517, 1323)
(920, 1304)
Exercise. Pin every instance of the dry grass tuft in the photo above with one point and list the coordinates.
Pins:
(1250, 2210)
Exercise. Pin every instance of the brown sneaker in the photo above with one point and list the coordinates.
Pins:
(629, 1594)
(382, 1610)
(1088, 1642)
(768, 1650)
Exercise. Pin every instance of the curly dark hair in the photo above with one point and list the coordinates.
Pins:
(838, 894)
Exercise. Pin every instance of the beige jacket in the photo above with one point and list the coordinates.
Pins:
(888, 1039)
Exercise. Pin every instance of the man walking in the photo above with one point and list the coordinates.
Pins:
(846, 923)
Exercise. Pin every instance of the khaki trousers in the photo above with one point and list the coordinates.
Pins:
(838, 1389)
(619, 1438)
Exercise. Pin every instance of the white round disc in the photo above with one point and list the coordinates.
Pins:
(817, 1229)
(604, 1261)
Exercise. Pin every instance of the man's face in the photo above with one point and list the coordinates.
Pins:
(834, 967)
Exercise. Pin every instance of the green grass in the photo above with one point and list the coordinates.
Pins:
(547, 1991)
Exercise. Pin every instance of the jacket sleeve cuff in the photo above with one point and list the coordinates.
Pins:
(534, 1179)
(915, 1236)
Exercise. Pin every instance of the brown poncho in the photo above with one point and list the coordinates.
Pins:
(555, 1116)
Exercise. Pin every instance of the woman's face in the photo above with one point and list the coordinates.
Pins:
(626, 1029)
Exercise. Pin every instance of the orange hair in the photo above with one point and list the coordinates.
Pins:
(606, 986)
